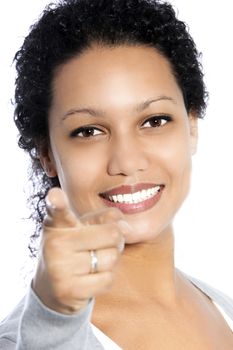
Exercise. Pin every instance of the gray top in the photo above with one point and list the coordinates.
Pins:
(33, 326)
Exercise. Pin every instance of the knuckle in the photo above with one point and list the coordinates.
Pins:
(113, 257)
(115, 234)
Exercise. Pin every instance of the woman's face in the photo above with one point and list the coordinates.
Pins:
(120, 136)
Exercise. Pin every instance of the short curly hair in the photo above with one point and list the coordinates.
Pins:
(67, 28)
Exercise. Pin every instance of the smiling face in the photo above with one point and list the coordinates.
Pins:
(120, 136)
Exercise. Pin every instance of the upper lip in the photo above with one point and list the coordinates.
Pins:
(129, 189)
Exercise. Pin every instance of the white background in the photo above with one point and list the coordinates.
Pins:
(204, 234)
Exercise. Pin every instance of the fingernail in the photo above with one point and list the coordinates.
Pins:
(49, 205)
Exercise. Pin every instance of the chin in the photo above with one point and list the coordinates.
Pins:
(145, 231)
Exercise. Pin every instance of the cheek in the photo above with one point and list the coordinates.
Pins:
(175, 159)
(76, 168)
(80, 174)
(179, 169)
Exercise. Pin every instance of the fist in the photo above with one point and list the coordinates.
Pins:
(78, 256)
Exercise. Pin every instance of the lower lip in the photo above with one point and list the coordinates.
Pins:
(133, 208)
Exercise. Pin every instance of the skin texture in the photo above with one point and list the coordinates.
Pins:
(125, 152)
(125, 148)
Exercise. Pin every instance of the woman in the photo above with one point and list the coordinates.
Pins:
(108, 95)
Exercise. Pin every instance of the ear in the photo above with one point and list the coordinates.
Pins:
(193, 127)
(48, 164)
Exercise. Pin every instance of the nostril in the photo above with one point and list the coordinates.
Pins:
(127, 163)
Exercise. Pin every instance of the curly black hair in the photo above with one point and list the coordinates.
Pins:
(67, 28)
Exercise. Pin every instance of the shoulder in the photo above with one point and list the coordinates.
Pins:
(217, 296)
(9, 325)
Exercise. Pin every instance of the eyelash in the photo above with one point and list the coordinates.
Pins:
(84, 129)
(158, 118)
(154, 119)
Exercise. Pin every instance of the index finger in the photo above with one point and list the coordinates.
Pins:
(58, 209)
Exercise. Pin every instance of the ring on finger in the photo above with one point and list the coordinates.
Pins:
(94, 261)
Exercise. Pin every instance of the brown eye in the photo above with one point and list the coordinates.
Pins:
(156, 122)
(86, 132)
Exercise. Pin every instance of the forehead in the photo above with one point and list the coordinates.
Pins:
(114, 75)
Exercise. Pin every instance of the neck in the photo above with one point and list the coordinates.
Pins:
(147, 270)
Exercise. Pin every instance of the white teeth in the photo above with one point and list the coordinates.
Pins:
(127, 198)
(136, 197)
(144, 193)
(120, 198)
(114, 199)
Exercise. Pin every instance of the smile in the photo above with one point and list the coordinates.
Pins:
(133, 199)
(137, 197)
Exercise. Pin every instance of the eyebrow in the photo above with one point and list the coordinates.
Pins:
(97, 112)
(143, 105)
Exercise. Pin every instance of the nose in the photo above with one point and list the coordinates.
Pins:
(127, 156)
